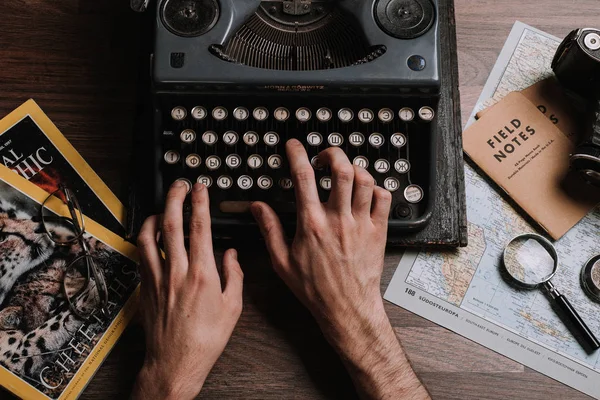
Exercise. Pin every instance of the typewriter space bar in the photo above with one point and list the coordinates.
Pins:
(243, 207)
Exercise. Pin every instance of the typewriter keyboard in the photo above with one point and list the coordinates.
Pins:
(236, 147)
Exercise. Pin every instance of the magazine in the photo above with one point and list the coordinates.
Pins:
(32, 146)
(46, 350)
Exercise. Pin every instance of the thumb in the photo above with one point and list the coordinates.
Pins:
(234, 279)
(272, 231)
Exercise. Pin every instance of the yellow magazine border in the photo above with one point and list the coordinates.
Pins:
(71, 155)
(91, 364)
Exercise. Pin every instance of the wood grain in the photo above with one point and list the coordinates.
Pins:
(77, 58)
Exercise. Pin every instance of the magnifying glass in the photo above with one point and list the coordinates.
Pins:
(531, 261)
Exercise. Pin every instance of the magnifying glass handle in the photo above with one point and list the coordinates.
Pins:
(576, 321)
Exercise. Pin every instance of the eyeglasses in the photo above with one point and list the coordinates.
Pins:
(84, 284)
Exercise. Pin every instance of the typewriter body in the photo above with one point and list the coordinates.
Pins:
(233, 80)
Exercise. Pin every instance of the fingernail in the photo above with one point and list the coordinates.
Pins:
(198, 187)
(178, 184)
(234, 254)
(256, 211)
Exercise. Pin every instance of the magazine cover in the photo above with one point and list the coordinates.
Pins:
(32, 146)
(46, 349)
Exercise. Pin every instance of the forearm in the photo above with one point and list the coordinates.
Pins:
(154, 383)
(375, 359)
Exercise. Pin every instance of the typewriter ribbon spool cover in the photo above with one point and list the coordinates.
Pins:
(232, 81)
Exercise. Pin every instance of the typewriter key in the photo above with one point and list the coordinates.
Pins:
(324, 114)
(335, 139)
(325, 183)
(316, 164)
(406, 114)
(356, 139)
(426, 114)
(281, 114)
(365, 115)
(220, 113)
(231, 138)
(224, 182)
(210, 138)
(251, 138)
(398, 140)
(187, 183)
(255, 161)
(245, 182)
(193, 161)
(199, 113)
(391, 184)
(413, 194)
(346, 115)
(260, 114)
(271, 139)
(275, 161)
(233, 161)
(178, 113)
(172, 157)
(386, 115)
(188, 136)
(286, 183)
(241, 113)
(361, 161)
(303, 114)
(382, 166)
(376, 140)
(265, 182)
(402, 166)
(213, 163)
(205, 180)
(314, 139)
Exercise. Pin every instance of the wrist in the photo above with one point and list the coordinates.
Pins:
(152, 382)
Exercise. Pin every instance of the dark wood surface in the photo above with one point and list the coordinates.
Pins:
(77, 59)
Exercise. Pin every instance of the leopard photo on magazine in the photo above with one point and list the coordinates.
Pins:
(41, 340)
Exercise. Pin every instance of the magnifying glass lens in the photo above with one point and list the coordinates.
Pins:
(528, 261)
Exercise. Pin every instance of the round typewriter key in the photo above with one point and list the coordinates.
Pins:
(245, 182)
(271, 139)
(286, 183)
(205, 180)
(233, 161)
(398, 140)
(224, 182)
(324, 114)
(426, 114)
(314, 139)
(402, 166)
(386, 115)
(188, 136)
(275, 161)
(325, 183)
(251, 138)
(187, 183)
(382, 166)
(193, 161)
(179, 113)
(335, 139)
(172, 157)
(231, 138)
(414, 194)
(241, 113)
(220, 113)
(260, 114)
(346, 115)
(356, 139)
(199, 113)
(213, 163)
(210, 138)
(265, 182)
(361, 161)
(281, 114)
(365, 115)
(303, 114)
(406, 114)
(255, 161)
(376, 140)
(391, 184)
(316, 164)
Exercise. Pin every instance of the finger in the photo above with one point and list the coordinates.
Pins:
(272, 231)
(342, 179)
(151, 263)
(303, 176)
(382, 201)
(201, 246)
(362, 196)
(234, 280)
(172, 229)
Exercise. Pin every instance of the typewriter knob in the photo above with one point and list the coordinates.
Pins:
(190, 18)
(405, 19)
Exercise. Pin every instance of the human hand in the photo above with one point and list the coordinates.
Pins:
(187, 318)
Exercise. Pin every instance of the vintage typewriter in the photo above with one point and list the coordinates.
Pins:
(233, 80)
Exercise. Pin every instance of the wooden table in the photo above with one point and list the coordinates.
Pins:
(77, 59)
